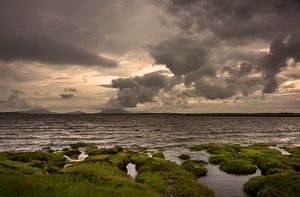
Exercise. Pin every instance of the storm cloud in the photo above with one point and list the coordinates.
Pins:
(276, 60)
(139, 89)
(48, 50)
(180, 55)
(147, 54)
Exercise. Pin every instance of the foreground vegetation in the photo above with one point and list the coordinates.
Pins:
(281, 173)
(103, 173)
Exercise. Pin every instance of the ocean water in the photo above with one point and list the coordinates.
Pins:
(171, 133)
(32, 132)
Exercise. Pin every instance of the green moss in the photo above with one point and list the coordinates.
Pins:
(238, 167)
(93, 150)
(281, 185)
(79, 180)
(73, 153)
(184, 157)
(158, 155)
(267, 165)
(267, 160)
(195, 167)
(50, 162)
(79, 145)
(169, 179)
(98, 175)
(217, 159)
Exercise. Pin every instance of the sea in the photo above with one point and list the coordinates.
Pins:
(171, 133)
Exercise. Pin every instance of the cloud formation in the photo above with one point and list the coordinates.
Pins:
(16, 101)
(69, 93)
(277, 59)
(216, 51)
(139, 89)
(48, 50)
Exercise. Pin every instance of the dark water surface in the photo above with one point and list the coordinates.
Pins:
(31, 132)
(172, 133)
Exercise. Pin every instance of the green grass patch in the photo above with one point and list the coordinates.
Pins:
(169, 179)
(268, 160)
(195, 167)
(277, 185)
(238, 166)
(184, 157)
(158, 155)
(73, 153)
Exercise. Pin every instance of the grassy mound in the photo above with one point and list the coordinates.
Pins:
(33, 162)
(169, 179)
(158, 155)
(266, 159)
(195, 167)
(277, 185)
(103, 173)
(281, 172)
(80, 179)
(184, 157)
(238, 167)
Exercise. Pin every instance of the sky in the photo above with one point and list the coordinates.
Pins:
(183, 56)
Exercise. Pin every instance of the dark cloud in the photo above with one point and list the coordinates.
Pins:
(48, 50)
(180, 55)
(139, 89)
(212, 89)
(65, 32)
(15, 101)
(74, 32)
(276, 60)
(67, 96)
(69, 93)
(239, 20)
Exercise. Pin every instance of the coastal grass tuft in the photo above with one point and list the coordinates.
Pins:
(169, 179)
(277, 185)
(281, 173)
(184, 157)
(158, 155)
(238, 167)
(195, 167)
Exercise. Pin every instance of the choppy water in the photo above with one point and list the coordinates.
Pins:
(172, 133)
(31, 132)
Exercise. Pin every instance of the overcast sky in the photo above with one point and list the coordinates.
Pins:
(150, 55)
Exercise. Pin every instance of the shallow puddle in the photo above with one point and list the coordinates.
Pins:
(223, 184)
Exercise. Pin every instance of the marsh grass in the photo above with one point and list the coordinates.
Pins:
(184, 157)
(195, 167)
(169, 179)
(103, 173)
(277, 185)
(281, 173)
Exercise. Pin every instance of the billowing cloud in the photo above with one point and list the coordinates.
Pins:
(180, 55)
(238, 20)
(139, 89)
(210, 51)
(276, 60)
(15, 101)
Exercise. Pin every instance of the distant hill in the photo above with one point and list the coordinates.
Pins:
(75, 112)
(37, 111)
(114, 111)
